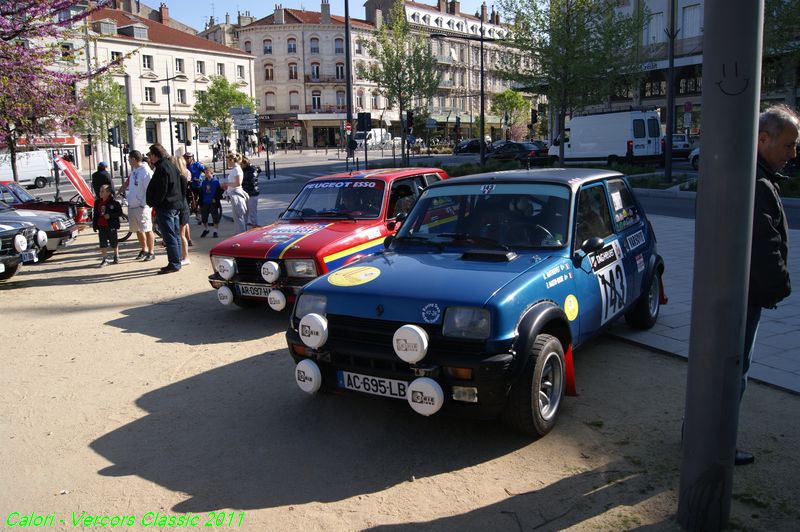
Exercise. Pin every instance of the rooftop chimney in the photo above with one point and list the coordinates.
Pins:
(325, 12)
(378, 19)
(164, 12)
(278, 15)
(227, 18)
(483, 12)
(442, 6)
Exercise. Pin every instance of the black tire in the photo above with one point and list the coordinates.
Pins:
(535, 399)
(644, 313)
(553, 161)
(9, 273)
(41, 182)
(124, 232)
(695, 162)
(45, 254)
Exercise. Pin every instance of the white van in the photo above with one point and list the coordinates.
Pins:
(610, 137)
(34, 168)
(374, 138)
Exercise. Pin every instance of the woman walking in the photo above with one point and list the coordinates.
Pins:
(236, 194)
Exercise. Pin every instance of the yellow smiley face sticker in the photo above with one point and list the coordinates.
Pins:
(354, 276)
(571, 307)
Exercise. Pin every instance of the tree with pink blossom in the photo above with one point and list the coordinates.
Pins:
(37, 93)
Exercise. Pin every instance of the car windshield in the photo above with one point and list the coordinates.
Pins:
(344, 198)
(514, 216)
(19, 192)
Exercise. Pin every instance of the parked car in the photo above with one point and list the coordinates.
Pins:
(332, 221)
(496, 145)
(19, 242)
(681, 146)
(468, 146)
(694, 158)
(60, 230)
(533, 152)
(19, 198)
(478, 312)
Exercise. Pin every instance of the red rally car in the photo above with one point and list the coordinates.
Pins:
(332, 221)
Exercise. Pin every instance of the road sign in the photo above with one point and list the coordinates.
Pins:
(687, 120)
(240, 110)
(347, 127)
(430, 123)
(208, 134)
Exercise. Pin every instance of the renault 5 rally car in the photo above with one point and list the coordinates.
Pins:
(478, 311)
(332, 221)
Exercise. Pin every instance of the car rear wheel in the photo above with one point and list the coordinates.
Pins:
(644, 313)
(695, 162)
(9, 273)
(45, 254)
(535, 399)
(41, 182)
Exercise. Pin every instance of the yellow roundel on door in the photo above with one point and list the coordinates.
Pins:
(571, 307)
(354, 276)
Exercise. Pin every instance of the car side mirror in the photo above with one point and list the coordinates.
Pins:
(387, 242)
(589, 245)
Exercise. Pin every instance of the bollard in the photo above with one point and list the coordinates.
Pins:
(274, 172)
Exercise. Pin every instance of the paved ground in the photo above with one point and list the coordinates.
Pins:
(777, 356)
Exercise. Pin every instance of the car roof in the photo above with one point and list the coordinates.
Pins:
(380, 173)
(571, 177)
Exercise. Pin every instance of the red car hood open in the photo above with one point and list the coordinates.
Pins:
(76, 180)
(331, 242)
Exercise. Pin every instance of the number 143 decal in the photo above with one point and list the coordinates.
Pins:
(613, 290)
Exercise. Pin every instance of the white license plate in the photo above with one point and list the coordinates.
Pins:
(30, 256)
(373, 385)
(253, 290)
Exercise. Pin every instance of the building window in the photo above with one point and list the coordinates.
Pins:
(220, 69)
(316, 100)
(655, 88)
(315, 71)
(116, 56)
(269, 99)
(181, 95)
(340, 100)
(340, 71)
(268, 46)
(292, 70)
(201, 67)
(240, 71)
(294, 100)
(147, 62)
(653, 32)
(179, 65)
(360, 100)
(359, 47)
(375, 101)
(692, 21)
(248, 47)
(66, 52)
(338, 46)
(269, 73)
(694, 85)
(291, 46)
(314, 45)
(150, 94)
(150, 132)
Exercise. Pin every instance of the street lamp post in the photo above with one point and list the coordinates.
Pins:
(481, 39)
(169, 106)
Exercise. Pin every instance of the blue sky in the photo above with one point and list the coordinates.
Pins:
(195, 13)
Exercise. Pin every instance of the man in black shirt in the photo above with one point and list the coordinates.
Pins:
(165, 195)
(102, 177)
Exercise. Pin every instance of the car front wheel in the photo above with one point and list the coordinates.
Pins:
(9, 273)
(695, 162)
(644, 313)
(535, 399)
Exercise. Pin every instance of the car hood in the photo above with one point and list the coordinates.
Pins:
(8, 225)
(308, 239)
(42, 219)
(417, 287)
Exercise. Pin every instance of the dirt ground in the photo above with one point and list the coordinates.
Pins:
(129, 393)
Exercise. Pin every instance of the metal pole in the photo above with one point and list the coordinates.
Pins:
(483, 105)
(723, 229)
(129, 110)
(348, 76)
(671, 34)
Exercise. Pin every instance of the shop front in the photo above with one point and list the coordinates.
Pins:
(286, 130)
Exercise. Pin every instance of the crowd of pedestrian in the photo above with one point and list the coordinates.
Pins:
(171, 189)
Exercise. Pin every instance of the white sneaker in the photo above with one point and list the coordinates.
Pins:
(184, 262)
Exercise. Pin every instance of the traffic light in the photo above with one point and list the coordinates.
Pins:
(534, 117)
(409, 120)
(179, 131)
(364, 122)
(113, 136)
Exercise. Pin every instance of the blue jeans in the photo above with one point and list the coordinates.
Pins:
(169, 223)
(750, 330)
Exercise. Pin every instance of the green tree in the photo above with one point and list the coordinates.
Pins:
(212, 107)
(573, 51)
(781, 34)
(103, 105)
(514, 105)
(403, 66)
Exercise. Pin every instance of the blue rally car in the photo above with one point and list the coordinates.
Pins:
(478, 301)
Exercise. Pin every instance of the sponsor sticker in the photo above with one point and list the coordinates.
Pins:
(616, 199)
(487, 189)
(635, 240)
(639, 263)
(431, 313)
(571, 307)
(604, 257)
(557, 275)
(354, 276)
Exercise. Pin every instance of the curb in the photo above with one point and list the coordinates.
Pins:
(672, 193)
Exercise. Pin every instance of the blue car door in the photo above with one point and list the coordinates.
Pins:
(631, 228)
(600, 277)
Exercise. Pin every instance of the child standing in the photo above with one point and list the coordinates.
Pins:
(106, 222)
(210, 195)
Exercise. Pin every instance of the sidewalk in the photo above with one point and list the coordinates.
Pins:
(776, 359)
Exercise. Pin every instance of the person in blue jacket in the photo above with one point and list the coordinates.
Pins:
(210, 196)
